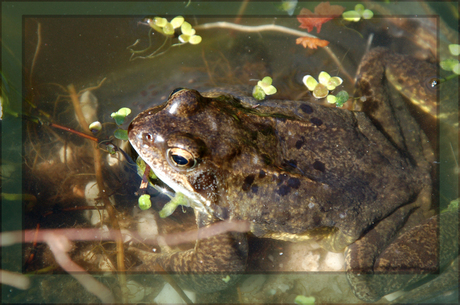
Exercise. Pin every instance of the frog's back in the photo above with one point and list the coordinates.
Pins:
(322, 167)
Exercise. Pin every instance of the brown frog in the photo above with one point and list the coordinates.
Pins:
(295, 170)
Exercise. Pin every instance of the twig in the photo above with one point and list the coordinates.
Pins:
(274, 28)
(60, 245)
(105, 199)
(81, 134)
(17, 280)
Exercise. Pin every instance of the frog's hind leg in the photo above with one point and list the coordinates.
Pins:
(212, 265)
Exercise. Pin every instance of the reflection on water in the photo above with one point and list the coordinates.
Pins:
(61, 169)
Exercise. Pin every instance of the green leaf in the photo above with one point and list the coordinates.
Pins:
(269, 90)
(331, 99)
(359, 8)
(161, 22)
(303, 300)
(258, 93)
(448, 64)
(320, 91)
(141, 169)
(341, 98)
(168, 29)
(95, 126)
(456, 69)
(351, 16)
(454, 49)
(195, 39)
(267, 81)
(171, 206)
(177, 22)
(324, 78)
(186, 29)
(310, 82)
(367, 14)
(121, 134)
(144, 202)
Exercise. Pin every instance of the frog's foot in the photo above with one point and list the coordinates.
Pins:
(410, 258)
(212, 265)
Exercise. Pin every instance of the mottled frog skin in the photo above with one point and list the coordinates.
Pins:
(295, 170)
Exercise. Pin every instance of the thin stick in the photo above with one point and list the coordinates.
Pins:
(274, 28)
(81, 134)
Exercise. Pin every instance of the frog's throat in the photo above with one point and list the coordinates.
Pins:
(197, 202)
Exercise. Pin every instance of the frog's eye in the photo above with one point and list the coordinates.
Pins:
(181, 158)
(175, 91)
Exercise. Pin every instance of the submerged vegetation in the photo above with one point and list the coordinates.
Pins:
(79, 173)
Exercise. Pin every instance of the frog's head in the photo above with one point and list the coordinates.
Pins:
(188, 142)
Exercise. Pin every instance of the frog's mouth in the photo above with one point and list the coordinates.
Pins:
(195, 200)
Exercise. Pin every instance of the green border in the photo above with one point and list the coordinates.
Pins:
(12, 15)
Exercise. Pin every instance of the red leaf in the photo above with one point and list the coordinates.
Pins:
(323, 13)
(311, 42)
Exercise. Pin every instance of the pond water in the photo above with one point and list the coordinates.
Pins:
(93, 55)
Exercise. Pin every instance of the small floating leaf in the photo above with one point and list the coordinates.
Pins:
(95, 126)
(331, 99)
(320, 91)
(454, 49)
(310, 82)
(341, 98)
(258, 93)
(367, 14)
(120, 115)
(448, 64)
(170, 207)
(177, 22)
(168, 29)
(456, 69)
(121, 134)
(186, 29)
(144, 202)
(159, 21)
(359, 8)
(324, 77)
(351, 16)
(303, 300)
(195, 39)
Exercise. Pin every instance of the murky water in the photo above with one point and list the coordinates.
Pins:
(92, 53)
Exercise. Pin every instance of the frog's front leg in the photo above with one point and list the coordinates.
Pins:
(212, 265)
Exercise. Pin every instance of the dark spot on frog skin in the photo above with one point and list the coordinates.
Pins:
(316, 121)
(283, 190)
(281, 178)
(262, 174)
(318, 165)
(267, 159)
(306, 108)
(300, 142)
(255, 189)
(294, 183)
(247, 182)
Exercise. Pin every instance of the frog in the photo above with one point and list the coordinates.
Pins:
(294, 170)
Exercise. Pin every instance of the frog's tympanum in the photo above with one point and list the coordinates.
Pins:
(295, 170)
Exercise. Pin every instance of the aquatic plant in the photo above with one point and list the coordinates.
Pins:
(326, 83)
(119, 118)
(452, 64)
(358, 13)
(264, 87)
